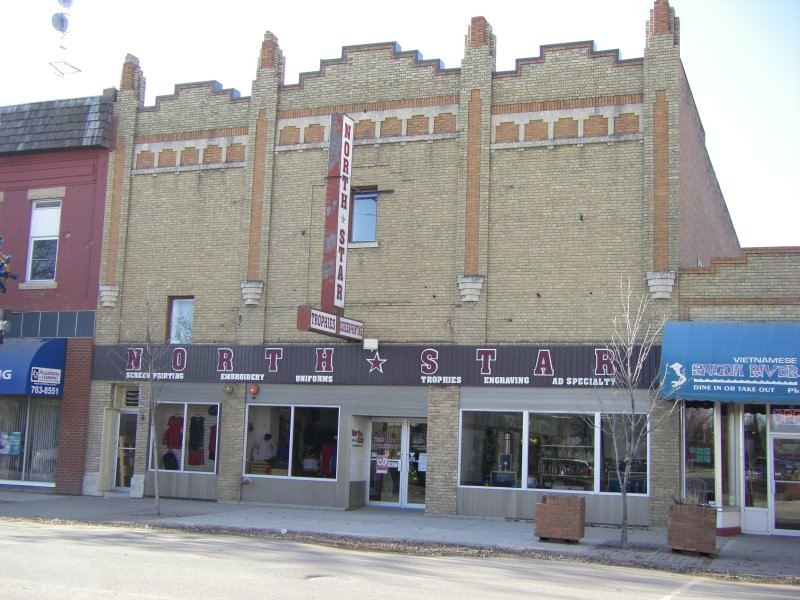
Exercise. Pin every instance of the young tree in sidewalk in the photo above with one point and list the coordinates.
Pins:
(636, 334)
(153, 352)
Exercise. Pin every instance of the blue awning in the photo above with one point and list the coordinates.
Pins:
(32, 366)
(731, 362)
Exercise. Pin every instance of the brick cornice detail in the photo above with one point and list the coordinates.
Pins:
(739, 260)
(368, 106)
(590, 51)
(598, 101)
(190, 135)
(759, 301)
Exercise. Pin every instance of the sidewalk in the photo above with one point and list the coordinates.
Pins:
(771, 558)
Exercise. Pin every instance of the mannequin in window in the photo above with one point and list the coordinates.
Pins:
(263, 449)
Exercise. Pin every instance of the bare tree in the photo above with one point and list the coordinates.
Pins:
(152, 353)
(636, 333)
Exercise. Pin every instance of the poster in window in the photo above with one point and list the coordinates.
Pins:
(9, 442)
(381, 464)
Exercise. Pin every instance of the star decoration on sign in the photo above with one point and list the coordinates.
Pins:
(376, 363)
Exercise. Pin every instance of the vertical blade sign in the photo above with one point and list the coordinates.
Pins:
(337, 214)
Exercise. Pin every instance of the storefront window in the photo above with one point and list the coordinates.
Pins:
(619, 434)
(561, 452)
(29, 438)
(729, 462)
(754, 434)
(491, 449)
(292, 440)
(699, 452)
(187, 437)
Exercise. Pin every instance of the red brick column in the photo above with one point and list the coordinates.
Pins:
(74, 417)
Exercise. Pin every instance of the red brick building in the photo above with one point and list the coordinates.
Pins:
(53, 167)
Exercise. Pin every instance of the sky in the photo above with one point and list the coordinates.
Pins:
(742, 59)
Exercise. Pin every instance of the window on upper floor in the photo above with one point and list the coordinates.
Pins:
(181, 316)
(43, 241)
(364, 225)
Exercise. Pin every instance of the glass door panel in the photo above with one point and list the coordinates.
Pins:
(786, 473)
(126, 450)
(417, 462)
(385, 462)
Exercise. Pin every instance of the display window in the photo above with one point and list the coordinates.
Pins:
(292, 441)
(29, 438)
(619, 433)
(491, 449)
(699, 452)
(754, 424)
(186, 437)
(561, 452)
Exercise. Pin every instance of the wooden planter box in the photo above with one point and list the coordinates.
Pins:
(560, 518)
(692, 528)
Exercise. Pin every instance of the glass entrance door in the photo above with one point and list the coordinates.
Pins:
(125, 450)
(786, 489)
(398, 463)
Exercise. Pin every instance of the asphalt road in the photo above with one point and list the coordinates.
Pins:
(79, 561)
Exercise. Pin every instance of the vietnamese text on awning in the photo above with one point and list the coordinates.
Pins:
(732, 361)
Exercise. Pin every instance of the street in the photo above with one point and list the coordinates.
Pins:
(79, 561)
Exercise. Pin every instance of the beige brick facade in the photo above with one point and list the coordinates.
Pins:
(549, 184)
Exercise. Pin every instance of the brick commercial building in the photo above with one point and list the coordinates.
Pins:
(53, 166)
(394, 283)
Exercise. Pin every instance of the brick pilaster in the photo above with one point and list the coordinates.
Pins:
(73, 428)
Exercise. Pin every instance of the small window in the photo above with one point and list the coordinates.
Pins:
(43, 243)
(181, 315)
(365, 217)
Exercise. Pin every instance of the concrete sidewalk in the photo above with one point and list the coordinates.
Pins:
(772, 558)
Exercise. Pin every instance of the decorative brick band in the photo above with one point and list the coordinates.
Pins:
(191, 135)
(660, 182)
(368, 107)
(257, 198)
(575, 125)
(376, 126)
(473, 199)
(190, 154)
(117, 186)
(571, 104)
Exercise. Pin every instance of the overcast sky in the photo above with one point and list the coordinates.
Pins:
(742, 58)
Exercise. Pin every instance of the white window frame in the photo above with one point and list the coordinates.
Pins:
(356, 196)
(181, 311)
(45, 226)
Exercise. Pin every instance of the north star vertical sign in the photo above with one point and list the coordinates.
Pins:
(337, 214)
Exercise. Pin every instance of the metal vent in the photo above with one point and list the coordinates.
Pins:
(48, 204)
(132, 397)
